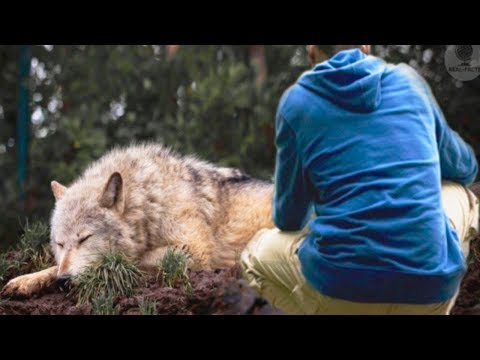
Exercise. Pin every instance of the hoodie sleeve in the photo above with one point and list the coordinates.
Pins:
(292, 199)
(457, 159)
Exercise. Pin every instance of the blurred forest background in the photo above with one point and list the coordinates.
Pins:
(216, 101)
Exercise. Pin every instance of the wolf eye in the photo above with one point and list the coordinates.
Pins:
(60, 245)
(85, 238)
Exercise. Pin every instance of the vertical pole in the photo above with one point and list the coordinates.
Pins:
(23, 120)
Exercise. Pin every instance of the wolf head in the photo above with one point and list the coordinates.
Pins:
(86, 223)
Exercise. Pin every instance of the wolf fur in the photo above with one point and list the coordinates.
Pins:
(142, 199)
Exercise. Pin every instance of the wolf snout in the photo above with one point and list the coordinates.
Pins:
(64, 281)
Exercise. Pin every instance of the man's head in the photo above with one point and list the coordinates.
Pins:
(319, 53)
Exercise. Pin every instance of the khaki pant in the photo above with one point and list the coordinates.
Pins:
(271, 266)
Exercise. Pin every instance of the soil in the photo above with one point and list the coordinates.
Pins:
(220, 292)
(468, 302)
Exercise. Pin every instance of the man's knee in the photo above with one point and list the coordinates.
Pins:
(271, 245)
(268, 254)
(461, 207)
(259, 249)
(253, 258)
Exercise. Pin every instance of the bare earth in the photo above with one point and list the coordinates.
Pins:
(219, 292)
(214, 293)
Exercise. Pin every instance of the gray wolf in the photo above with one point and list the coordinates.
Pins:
(142, 199)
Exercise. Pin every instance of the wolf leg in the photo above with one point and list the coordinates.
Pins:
(199, 242)
(151, 260)
(191, 234)
(30, 284)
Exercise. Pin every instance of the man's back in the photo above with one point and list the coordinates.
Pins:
(366, 144)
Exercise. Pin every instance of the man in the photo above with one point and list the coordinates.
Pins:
(365, 144)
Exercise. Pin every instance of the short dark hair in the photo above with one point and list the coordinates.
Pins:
(331, 50)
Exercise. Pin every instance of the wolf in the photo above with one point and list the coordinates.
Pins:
(141, 200)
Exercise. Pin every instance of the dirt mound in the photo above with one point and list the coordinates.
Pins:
(212, 292)
(219, 292)
(468, 302)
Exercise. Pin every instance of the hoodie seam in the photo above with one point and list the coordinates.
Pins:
(295, 142)
(291, 130)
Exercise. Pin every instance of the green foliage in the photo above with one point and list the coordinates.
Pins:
(173, 268)
(113, 275)
(147, 306)
(86, 99)
(103, 305)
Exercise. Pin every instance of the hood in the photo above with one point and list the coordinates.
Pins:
(350, 79)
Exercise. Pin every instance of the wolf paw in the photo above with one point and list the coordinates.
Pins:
(24, 286)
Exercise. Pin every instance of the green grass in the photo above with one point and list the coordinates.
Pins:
(35, 235)
(4, 267)
(41, 260)
(173, 268)
(33, 248)
(31, 253)
(147, 307)
(113, 275)
(103, 305)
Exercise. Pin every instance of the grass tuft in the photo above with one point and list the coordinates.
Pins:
(33, 252)
(173, 267)
(113, 275)
(103, 305)
(35, 235)
(147, 306)
(4, 267)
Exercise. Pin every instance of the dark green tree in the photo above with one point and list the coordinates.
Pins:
(215, 101)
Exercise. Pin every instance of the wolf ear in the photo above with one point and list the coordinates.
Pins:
(112, 194)
(57, 189)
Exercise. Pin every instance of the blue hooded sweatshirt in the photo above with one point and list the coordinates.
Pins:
(365, 145)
